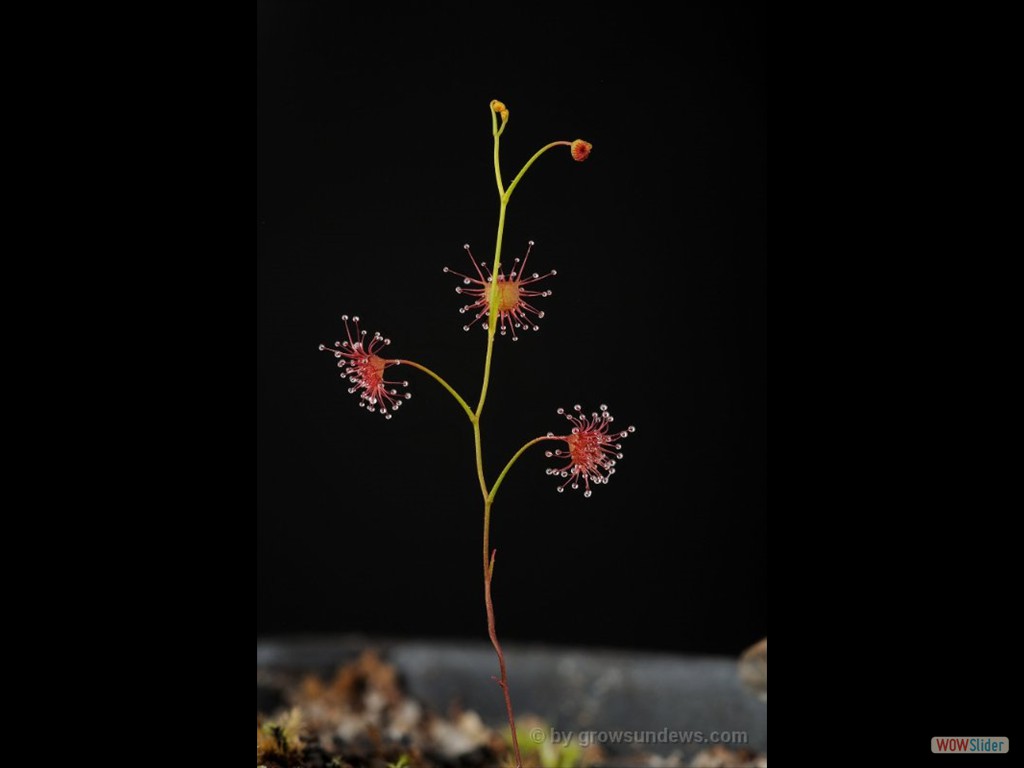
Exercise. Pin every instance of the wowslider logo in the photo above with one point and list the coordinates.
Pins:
(978, 745)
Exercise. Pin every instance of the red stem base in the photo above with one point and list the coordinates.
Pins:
(503, 682)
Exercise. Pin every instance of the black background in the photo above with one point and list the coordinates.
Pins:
(373, 168)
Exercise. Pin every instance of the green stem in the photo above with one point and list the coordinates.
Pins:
(492, 316)
(488, 556)
(478, 446)
(443, 383)
(497, 168)
(474, 416)
(508, 192)
(488, 563)
(513, 460)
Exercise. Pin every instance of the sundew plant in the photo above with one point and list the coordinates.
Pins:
(502, 303)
